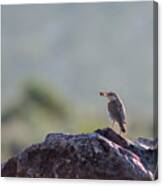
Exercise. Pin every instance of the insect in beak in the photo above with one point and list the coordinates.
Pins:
(103, 94)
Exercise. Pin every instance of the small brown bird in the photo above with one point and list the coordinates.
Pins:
(116, 110)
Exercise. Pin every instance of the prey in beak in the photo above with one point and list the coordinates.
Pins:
(104, 94)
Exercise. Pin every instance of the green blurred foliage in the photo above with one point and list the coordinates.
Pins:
(37, 96)
(41, 110)
(43, 97)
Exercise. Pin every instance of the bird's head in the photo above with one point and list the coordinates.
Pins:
(110, 95)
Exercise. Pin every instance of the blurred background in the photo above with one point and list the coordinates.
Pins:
(57, 57)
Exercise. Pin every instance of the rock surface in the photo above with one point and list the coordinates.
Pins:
(103, 154)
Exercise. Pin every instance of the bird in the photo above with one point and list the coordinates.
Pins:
(116, 110)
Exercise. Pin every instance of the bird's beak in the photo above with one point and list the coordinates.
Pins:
(103, 94)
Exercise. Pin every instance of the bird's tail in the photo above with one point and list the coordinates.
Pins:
(123, 127)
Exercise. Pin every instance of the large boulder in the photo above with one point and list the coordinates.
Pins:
(103, 154)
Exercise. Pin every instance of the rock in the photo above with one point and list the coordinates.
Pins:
(103, 154)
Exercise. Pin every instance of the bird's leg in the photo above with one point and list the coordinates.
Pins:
(120, 133)
(113, 122)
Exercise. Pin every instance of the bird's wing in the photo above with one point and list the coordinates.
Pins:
(117, 111)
